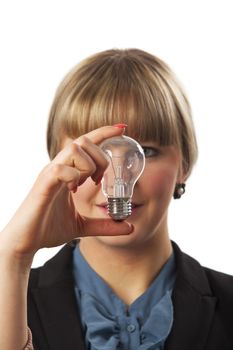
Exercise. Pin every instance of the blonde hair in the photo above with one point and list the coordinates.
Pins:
(129, 86)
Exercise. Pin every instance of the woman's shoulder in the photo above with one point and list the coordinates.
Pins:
(203, 279)
(220, 283)
(56, 270)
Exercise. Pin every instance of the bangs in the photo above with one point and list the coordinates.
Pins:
(124, 86)
(127, 94)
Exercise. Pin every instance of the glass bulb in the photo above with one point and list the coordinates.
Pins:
(126, 164)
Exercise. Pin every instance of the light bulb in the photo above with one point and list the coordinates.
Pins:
(126, 164)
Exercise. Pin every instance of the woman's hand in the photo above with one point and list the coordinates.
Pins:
(47, 217)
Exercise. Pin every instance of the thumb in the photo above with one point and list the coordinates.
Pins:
(103, 227)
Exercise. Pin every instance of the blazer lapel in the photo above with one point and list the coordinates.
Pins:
(194, 306)
(56, 303)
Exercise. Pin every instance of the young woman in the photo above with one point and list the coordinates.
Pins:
(114, 285)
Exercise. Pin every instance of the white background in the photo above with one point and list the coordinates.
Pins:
(41, 40)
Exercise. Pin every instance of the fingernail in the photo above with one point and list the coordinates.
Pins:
(98, 180)
(75, 189)
(120, 125)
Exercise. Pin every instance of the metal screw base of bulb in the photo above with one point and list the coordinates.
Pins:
(119, 208)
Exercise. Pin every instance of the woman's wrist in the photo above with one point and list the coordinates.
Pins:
(11, 258)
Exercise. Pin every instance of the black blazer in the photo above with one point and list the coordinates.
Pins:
(202, 299)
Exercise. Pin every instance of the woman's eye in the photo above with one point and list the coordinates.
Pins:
(151, 152)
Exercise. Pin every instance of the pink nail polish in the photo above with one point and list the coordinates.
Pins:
(75, 189)
(120, 125)
(97, 182)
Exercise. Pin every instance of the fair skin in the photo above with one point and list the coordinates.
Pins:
(38, 223)
(135, 260)
(140, 245)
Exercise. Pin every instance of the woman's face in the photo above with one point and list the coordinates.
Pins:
(152, 194)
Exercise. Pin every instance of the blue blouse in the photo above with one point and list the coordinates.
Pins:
(109, 324)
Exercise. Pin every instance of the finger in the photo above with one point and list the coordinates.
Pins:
(54, 175)
(99, 135)
(68, 176)
(74, 156)
(96, 154)
(89, 141)
(83, 153)
(103, 227)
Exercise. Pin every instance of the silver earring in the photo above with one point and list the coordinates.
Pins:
(179, 190)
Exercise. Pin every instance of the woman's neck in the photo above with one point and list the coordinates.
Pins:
(129, 272)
